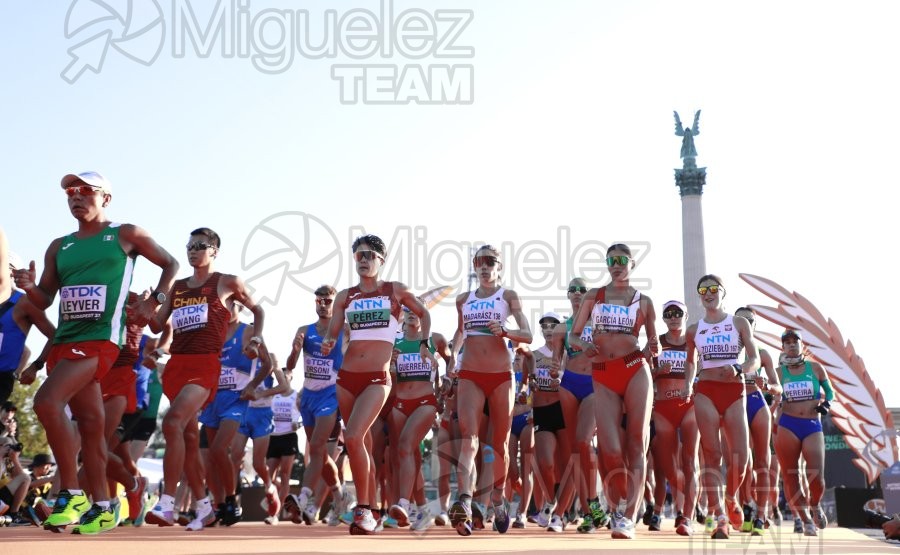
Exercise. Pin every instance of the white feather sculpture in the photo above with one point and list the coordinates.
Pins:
(859, 411)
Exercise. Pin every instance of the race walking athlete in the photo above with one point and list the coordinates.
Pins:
(91, 269)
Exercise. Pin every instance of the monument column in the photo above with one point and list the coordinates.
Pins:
(690, 181)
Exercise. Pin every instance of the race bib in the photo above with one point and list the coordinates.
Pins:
(675, 358)
(543, 381)
(318, 368)
(190, 317)
(369, 313)
(612, 318)
(82, 302)
(227, 378)
(798, 391)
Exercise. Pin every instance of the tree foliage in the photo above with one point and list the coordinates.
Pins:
(30, 432)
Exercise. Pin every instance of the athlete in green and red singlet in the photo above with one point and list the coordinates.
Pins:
(91, 270)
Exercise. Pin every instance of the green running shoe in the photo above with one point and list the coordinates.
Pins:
(97, 520)
(68, 510)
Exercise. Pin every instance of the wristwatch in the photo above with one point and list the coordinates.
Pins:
(738, 369)
(256, 339)
(158, 296)
(39, 364)
(423, 343)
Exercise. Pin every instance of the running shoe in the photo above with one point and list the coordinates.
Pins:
(679, 520)
(270, 503)
(519, 522)
(543, 517)
(623, 529)
(205, 516)
(346, 518)
(363, 522)
(136, 499)
(400, 513)
(96, 520)
(648, 514)
(423, 521)
(809, 529)
(68, 509)
(232, 513)
(747, 524)
(699, 516)
(721, 531)
(271, 520)
(758, 527)
(819, 518)
(686, 528)
(292, 508)
(442, 519)
(461, 518)
(478, 515)
(389, 522)
(655, 522)
(798, 526)
(162, 514)
(776, 516)
(556, 524)
(501, 517)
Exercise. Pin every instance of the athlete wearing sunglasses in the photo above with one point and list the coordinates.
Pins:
(486, 375)
(717, 341)
(196, 321)
(372, 309)
(318, 407)
(576, 396)
(674, 422)
(91, 268)
(621, 379)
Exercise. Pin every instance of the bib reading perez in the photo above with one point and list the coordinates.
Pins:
(373, 315)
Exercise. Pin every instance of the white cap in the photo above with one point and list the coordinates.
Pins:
(15, 261)
(93, 179)
(679, 304)
(551, 315)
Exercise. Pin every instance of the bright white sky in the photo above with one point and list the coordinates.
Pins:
(570, 135)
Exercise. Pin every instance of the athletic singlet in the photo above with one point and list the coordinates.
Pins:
(476, 313)
(718, 344)
(94, 276)
(199, 319)
(410, 366)
(265, 402)
(285, 413)
(613, 318)
(237, 369)
(803, 387)
(320, 371)
(372, 316)
(586, 335)
(541, 378)
(130, 352)
(12, 340)
(676, 355)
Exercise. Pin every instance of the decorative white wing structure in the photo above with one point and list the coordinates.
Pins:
(859, 410)
(432, 297)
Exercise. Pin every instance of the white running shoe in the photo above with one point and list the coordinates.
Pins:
(556, 524)
(543, 517)
(624, 529)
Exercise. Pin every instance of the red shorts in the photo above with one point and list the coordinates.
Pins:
(616, 374)
(445, 424)
(486, 381)
(722, 394)
(673, 410)
(356, 382)
(106, 353)
(121, 380)
(182, 370)
(409, 406)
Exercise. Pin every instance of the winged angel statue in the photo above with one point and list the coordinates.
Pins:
(859, 412)
(687, 143)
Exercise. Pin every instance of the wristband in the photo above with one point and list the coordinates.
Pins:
(256, 339)
(423, 343)
(738, 369)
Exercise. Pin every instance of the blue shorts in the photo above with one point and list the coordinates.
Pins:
(227, 405)
(800, 427)
(755, 401)
(258, 422)
(518, 424)
(580, 385)
(318, 403)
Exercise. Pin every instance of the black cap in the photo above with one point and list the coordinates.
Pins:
(791, 333)
(41, 459)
